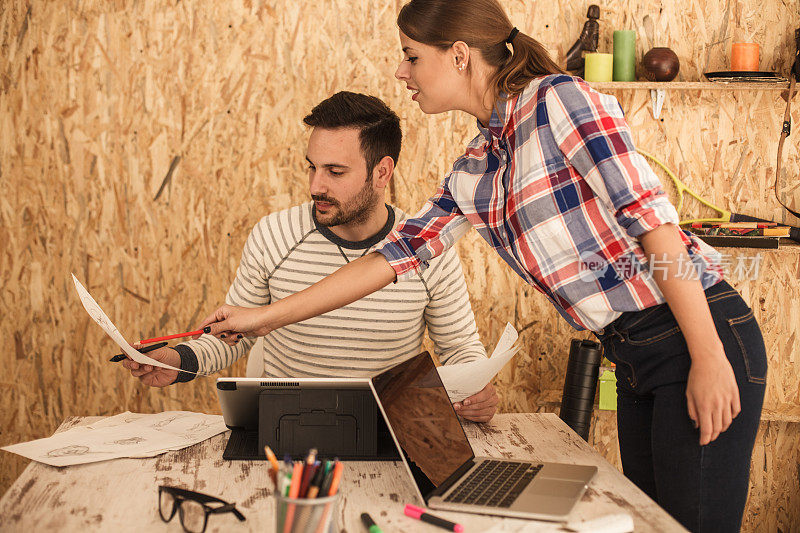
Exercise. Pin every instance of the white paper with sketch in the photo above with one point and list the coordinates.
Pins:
(111, 330)
(465, 379)
(123, 435)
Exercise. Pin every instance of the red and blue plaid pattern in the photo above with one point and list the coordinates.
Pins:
(556, 187)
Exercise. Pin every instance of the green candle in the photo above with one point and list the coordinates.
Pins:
(598, 67)
(624, 55)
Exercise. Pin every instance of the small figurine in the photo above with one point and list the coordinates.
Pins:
(587, 42)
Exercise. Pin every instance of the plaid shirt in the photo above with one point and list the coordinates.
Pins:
(556, 187)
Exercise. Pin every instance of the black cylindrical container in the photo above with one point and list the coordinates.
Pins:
(580, 385)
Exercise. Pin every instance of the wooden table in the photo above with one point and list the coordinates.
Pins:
(121, 495)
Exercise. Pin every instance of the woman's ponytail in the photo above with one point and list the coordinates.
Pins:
(483, 25)
(528, 60)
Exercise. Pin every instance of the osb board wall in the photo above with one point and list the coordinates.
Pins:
(105, 106)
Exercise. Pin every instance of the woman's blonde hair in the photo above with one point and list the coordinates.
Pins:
(483, 25)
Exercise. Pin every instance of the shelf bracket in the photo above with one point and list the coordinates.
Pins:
(657, 101)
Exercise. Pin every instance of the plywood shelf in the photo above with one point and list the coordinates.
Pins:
(689, 86)
(658, 90)
(787, 247)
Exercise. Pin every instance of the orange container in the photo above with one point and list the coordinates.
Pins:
(744, 56)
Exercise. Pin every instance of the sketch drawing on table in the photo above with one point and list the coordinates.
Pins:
(192, 432)
(68, 451)
(161, 424)
(125, 442)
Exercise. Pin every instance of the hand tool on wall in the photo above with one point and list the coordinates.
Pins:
(787, 191)
(723, 215)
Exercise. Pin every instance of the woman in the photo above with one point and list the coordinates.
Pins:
(553, 183)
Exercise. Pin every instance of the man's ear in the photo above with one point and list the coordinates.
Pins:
(383, 172)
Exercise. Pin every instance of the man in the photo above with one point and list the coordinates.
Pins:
(352, 152)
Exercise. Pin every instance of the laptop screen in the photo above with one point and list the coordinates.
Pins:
(423, 420)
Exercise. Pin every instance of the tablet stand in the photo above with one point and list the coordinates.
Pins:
(343, 423)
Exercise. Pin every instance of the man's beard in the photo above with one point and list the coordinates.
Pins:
(357, 211)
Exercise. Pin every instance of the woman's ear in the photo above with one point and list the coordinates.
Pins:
(461, 56)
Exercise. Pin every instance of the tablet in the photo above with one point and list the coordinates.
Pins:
(238, 397)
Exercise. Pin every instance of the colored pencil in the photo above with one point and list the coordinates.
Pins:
(316, 481)
(274, 467)
(308, 474)
(294, 490)
(121, 356)
(329, 488)
(168, 337)
(337, 476)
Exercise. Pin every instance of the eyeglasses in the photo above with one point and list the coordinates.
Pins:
(193, 507)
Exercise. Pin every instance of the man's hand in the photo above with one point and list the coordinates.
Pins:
(155, 376)
(712, 395)
(480, 407)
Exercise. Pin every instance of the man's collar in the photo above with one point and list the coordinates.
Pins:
(356, 245)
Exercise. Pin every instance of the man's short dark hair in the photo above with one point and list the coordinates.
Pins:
(378, 125)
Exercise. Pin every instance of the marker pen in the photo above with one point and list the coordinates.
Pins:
(370, 524)
(417, 512)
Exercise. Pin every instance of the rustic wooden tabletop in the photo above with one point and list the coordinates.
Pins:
(121, 495)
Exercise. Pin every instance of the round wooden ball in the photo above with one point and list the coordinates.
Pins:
(661, 64)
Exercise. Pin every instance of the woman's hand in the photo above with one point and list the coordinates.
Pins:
(712, 394)
(711, 391)
(229, 323)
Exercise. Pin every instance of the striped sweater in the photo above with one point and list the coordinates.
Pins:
(287, 252)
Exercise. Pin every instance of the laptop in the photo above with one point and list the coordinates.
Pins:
(338, 416)
(442, 465)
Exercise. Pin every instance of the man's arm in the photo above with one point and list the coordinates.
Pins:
(448, 315)
(452, 329)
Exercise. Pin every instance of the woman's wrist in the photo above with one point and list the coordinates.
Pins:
(703, 347)
(268, 316)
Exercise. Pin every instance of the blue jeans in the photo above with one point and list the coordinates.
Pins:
(703, 487)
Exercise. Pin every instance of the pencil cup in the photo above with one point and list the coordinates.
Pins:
(304, 515)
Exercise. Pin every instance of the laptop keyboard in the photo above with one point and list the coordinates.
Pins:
(494, 484)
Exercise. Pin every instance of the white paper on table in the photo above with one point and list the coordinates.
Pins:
(123, 435)
(465, 379)
(111, 330)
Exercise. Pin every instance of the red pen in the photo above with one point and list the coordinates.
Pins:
(419, 513)
(176, 336)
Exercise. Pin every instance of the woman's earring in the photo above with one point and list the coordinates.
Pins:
(462, 66)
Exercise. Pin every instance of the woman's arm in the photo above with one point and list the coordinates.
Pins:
(711, 392)
(408, 248)
(348, 284)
